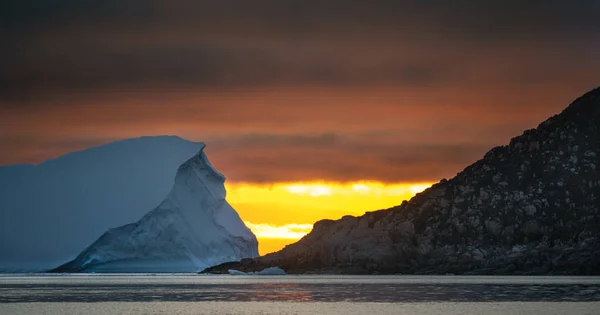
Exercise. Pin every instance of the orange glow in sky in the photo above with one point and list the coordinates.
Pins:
(281, 213)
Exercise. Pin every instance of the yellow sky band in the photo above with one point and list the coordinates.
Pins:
(281, 213)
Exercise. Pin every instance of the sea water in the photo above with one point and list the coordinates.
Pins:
(304, 294)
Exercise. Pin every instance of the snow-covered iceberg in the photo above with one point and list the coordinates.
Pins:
(193, 228)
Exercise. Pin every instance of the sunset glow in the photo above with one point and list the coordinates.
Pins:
(160, 137)
(287, 231)
(282, 213)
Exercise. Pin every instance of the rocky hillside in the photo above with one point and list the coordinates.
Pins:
(530, 207)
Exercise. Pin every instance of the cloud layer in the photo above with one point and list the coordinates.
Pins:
(293, 90)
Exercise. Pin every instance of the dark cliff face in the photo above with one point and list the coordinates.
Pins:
(531, 207)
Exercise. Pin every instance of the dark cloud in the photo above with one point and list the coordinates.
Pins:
(200, 66)
(335, 157)
(271, 141)
(69, 45)
(508, 17)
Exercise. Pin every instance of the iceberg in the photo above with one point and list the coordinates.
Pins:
(193, 228)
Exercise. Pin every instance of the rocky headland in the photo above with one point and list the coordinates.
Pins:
(529, 207)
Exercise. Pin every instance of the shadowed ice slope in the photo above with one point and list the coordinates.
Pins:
(50, 211)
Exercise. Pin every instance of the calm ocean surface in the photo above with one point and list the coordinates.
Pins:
(203, 294)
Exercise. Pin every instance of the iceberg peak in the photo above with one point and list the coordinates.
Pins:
(200, 161)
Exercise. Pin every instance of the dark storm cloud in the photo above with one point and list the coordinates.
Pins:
(69, 44)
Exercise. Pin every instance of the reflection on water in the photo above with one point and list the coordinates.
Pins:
(192, 288)
(288, 308)
(289, 292)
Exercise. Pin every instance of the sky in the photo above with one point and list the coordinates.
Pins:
(314, 93)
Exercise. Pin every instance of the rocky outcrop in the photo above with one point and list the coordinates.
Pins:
(193, 228)
(530, 207)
